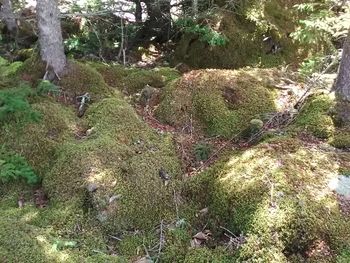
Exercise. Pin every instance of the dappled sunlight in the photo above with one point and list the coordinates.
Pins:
(49, 250)
(28, 217)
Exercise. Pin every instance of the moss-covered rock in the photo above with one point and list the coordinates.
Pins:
(221, 102)
(341, 139)
(123, 157)
(133, 80)
(277, 195)
(32, 70)
(245, 33)
(80, 78)
(315, 117)
(38, 141)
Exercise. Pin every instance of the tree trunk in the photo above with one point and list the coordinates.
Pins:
(138, 11)
(342, 85)
(195, 8)
(50, 35)
(7, 15)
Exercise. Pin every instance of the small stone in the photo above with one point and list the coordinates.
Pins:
(114, 198)
(92, 187)
(90, 131)
(102, 216)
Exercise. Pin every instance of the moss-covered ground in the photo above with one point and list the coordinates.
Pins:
(108, 203)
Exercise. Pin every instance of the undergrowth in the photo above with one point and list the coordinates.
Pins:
(15, 167)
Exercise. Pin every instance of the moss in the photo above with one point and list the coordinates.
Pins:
(24, 54)
(221, 102)
(315, 117)
(32, 70)
(33, 232)
(245, 33)
(123, 157)
(205, 255)
(341, 139)
(37, 142)
(80, 78)
(177, 245)
(8, 72)
(133, 80)
(276, 194)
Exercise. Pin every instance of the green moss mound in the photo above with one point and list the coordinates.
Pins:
(245, 32)
(32, 70)
(315, 117)
(341, 139)
(80, 78)
(8, 72)
(133, 80)
(123, 158)
(38, 141)
(221, 102)
(277, 195)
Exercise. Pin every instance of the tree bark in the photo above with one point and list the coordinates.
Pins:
(138, 11)
(7, 15)
(50, 35)
(342, 85)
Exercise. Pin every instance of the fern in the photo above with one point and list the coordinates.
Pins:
(15, 167)
(45, 87)
(14, 105)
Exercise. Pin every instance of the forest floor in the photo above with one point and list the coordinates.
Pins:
(205, 166)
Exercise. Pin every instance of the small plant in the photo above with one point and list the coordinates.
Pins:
(205, 32)
(202, 151)
(14, 105)
(15, 167)
(45, 87)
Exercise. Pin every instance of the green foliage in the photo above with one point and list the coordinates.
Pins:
(310, 66)
(206, 33)
(45, 87)
(14, 105)
(60, 245)
(202, 151)
(15, 167)
(321, 23)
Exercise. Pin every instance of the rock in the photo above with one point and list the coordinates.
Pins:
(92, 187)
(114, 198)
(102, 216)
(148, 93)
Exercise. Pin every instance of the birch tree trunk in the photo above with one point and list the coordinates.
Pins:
(50, 35)
(7, 15)
(342, 85)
